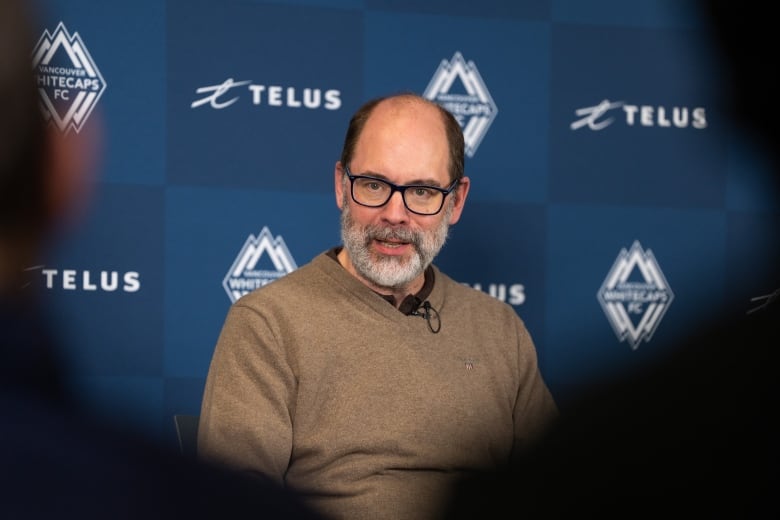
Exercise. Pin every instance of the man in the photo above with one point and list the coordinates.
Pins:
(368, 380)
(56, 460)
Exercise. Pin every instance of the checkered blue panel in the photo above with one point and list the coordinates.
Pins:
(612, 203)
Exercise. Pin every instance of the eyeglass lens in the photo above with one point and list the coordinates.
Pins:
(375, 192)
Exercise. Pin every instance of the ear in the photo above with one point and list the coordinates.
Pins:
(71, 165)
(338, 182)
(460, 195)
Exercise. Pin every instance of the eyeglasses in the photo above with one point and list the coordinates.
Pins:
(418, 198)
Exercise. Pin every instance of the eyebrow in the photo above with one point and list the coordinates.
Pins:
(416, 182)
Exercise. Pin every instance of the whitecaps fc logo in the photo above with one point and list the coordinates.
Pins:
(248, 272)
(635, 295)
(470, 103)
(69, 82)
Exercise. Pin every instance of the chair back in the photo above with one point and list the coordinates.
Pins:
(187, 433)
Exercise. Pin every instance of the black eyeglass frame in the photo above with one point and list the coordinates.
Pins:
(400, 188)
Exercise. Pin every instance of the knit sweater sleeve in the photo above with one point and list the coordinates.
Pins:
(535, 409)
(247, 408)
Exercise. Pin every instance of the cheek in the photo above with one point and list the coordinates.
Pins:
(360, 215)
(427, 225)
(454, 215)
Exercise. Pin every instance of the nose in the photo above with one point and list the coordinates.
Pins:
(394, 211)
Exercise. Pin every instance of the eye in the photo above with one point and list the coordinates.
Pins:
(421, 192)
(370, 185)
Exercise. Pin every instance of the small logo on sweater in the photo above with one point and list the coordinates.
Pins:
(468, 363)
(248, 272)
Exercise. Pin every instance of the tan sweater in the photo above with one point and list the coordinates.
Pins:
(322, 384)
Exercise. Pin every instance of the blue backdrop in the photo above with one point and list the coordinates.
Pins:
(612, 203)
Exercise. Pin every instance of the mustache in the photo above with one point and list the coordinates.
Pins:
(384, 233)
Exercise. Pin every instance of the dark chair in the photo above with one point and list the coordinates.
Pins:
(187, 433)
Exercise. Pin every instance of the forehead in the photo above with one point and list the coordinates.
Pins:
(404, 138)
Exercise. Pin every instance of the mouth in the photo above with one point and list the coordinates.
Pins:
(391, 243)
(391, 246)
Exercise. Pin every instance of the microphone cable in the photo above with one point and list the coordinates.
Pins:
(431, 316)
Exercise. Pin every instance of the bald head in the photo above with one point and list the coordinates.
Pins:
(408, 106)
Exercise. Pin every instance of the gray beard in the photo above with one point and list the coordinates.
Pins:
(391, 272)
